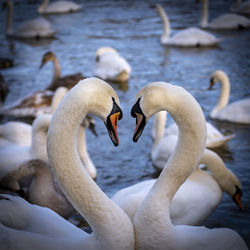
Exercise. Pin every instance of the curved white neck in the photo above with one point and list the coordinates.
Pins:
(43, 6)
(87, 162)
(191, 142)
(108, 221)
(224, 95)
(204, 14)
(166, 24)
(159, 126)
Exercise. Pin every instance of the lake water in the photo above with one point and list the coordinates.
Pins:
(134, 29)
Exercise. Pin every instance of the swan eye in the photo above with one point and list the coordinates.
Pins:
(136, 109)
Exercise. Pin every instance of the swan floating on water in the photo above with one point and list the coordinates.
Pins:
(153, 226)
(236, 112)
(191, 37)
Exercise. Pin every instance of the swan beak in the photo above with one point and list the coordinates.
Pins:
(112, 127)
(137, 113)
(237, 198)
(211, 84)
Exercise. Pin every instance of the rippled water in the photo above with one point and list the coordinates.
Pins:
(134, 29)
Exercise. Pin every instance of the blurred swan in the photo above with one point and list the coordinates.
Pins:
(112, 228)
(186, 207)
(191, 37)
(166, 138)
(236, 112)
(226, 21)
(43, 190)
(58, 7)
(11, 156)
(67, 81)
(35, 28)
(154, 228)
(111, 66)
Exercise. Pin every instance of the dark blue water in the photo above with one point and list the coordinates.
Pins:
(134, 29)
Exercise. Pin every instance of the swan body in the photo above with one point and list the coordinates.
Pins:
(13, 155)
(165, 139)
(43, 190)
(35, 28)
(67, 81)
(153, 226)
(58, 7)
(226, 21)
(190, 37)
(111, 66)
(186, 208)
(236, 112)
(112, 228)
(15, 132)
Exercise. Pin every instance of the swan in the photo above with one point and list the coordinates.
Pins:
(67, 81)
(152, 223)
(236, 112)
(111, 66)
(185, 207)
(112, 228)
(43, 190)
(166, 138)
(191, 37)
(35, 28)
(58, 7)
(13, 155)
(3, 89)
(226, 21)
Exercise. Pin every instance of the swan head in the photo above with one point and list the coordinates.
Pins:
(102, 51)
(149, 101)
(217, 76)
(48, 56)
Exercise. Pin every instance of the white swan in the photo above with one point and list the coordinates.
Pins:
(152, 222)
(187, 208)
(191, 37)
(16, 132)
(166, 138)
(13, 155)
(67, 81)
(43, 190)
(236, 112)
(111, 66)
(35, 28)
(226, 21)
(58, 7)
(112, 228)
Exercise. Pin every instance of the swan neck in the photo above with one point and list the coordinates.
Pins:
(166, 25)
(43, 6)
(85, 195)
(9, 30)
(86, 160)
(204, 14)
(57, 70)
(224, 96)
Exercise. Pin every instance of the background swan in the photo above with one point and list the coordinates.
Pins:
(241, 7)
(186, 208)
(226, 21)
(43, 190)
(191, 37)
(109, 65)
(238, 111)
(58, 7)
(35, 28)
(112, 228)
(57, 81)
(152, 222)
